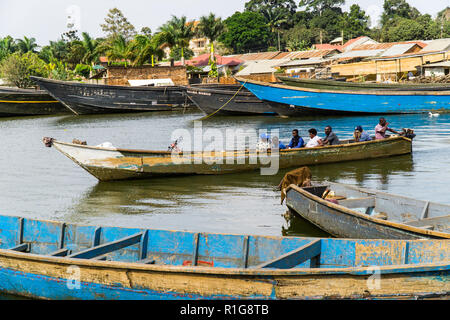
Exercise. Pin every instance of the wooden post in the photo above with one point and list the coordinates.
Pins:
(153, 60)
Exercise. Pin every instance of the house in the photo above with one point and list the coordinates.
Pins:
(437, 69)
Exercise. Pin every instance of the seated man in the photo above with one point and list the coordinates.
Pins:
(381, 128)
(296, 141)
(276, 143)
(315, 141)
(330, 138)
(360, 135)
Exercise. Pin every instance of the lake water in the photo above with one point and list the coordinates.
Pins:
(39, 182)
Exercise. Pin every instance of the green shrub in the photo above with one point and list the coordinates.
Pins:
(17, 69)
(83, 70)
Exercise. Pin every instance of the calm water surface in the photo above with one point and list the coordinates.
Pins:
(39, 182)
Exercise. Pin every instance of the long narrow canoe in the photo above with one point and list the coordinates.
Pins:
(82, 98)
(54, 260)
(342, 85)
(233, 100)
(362, 213)
(296, 101)
(118, 164)
(28, 102)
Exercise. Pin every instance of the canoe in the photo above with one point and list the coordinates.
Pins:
(343, 85)
(82, 98)
(55, 260)
(233, 100)
(369, 214)
(108, 164)
(28, 102)
(295, 101)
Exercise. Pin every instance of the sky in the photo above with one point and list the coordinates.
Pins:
(46, 20)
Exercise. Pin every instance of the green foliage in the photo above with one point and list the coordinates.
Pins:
(7, 47)
(300, 37)
(27, 45)
(177, 32)
(116, 24)
(177, 53)
(210, 27)
(213, 73)
(146, 31)
(328, 22)
(320, 5)
(82, 70)
(18, 67)
(354, 23)
(247, 31)
(142, 48)
(58, 70)
(397, 9)
(404, 30)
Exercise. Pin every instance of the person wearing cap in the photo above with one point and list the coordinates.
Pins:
(296, 141)
(360, 135)
(264, 142)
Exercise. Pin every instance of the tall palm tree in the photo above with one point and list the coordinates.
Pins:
(8, 45)
(116, 50)
(275, 17)
(27, 45)
(90, 46)
(212, 28)
(143, 48)
(178, 32)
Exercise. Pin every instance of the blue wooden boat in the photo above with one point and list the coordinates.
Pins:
(299, 101)
(54, 260)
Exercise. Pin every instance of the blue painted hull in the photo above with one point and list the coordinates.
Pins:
(52, 260)
(290, 101)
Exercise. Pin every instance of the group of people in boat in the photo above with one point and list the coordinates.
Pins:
(330, 139)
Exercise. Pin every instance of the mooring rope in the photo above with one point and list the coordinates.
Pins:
(226, 103)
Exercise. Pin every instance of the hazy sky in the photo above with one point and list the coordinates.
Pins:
(47, 19)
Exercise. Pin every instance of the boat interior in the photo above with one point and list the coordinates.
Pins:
(46, 239)
(385, 206)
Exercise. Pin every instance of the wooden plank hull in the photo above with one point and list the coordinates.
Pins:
(225, 267)
(120, 164)
(100, 99)
(295, 101)
(342, 222)
(227, 101)
(20, 102)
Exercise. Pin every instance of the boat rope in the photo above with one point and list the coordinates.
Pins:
(226, 103)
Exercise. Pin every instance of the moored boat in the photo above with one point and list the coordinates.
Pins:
(82, 98)
(227, 100)
(345, 85)
(352, 212)
(119, 164)
(28, 102)
(54, 260)
(297, 101)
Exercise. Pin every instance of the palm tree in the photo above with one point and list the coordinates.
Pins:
(116, 50)
(8, 45)
(27, 45)
(275, 17)
(90, 46)
(178, 32)
(144, 48)
(212, 28)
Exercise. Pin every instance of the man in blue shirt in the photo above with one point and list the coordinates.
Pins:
(361, 135)
(297, 141)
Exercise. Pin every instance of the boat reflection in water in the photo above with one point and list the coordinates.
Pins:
(203, 202)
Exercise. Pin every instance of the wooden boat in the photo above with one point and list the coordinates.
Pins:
(28, 102)
(54, 260)
(296, 101)
(362, 213)
(118, 164)
(82, 98)
(343, 85)
(229, 100)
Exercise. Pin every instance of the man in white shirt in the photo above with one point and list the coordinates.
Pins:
(315, 141)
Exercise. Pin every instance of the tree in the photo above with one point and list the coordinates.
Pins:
(212, 28)
(405, 30)
(300, 37)
(18, 67)
(178, 32)
(117, 49)
(146, 31)
(320, 5)
(142, 48)
(246, 32)
(397, 9)
(117, 24)
(27, 45)
(277, 13)
(328, 23)
(91, 49)
(354, 23)
(7, 47)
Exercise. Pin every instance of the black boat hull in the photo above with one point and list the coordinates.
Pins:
(211, 99)
(100, 99)
(26, 102)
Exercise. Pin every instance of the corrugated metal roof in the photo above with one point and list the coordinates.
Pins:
(359, 54)
(255, 56)
(260, 66)
(444, 64)
(438, 45)
(303, 62)
(306, 54)
(398, 49)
